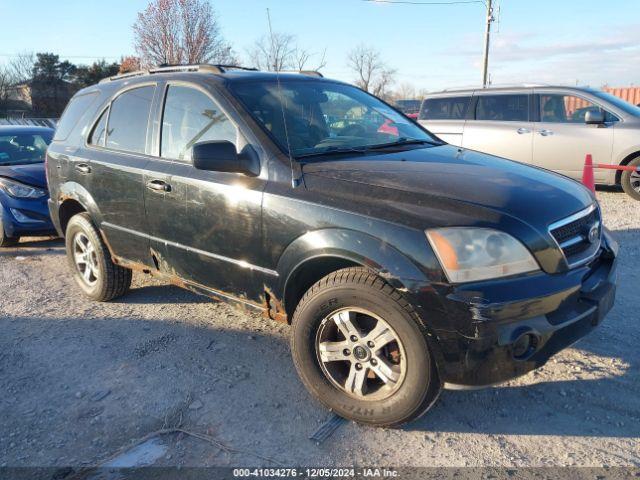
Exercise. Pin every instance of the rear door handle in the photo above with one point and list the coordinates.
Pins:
(545, 133)
(158, 186)
(522, 131)
(83, 168)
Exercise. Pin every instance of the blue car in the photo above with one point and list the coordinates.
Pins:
(23, 183)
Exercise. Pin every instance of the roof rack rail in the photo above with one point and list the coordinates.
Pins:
(496, 85)
(205, 67)
(311, 73)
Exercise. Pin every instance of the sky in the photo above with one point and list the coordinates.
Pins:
(585, 42)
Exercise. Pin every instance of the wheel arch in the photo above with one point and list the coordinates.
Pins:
(625, 161)
(73, 199)
(321, 252)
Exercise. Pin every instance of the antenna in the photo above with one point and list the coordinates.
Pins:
(294, 180)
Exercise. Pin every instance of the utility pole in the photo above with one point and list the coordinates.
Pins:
(487, 36)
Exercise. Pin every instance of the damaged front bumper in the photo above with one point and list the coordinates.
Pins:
(493, 331)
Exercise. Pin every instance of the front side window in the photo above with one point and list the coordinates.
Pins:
(190, 117)
(23, 148)
(450, 108)
(558, 108)
(318, 117)
(127, 130)
(503, 108)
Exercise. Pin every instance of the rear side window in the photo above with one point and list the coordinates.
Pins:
(128, 120)
(76, 108)
(503, 108)
(450, 108)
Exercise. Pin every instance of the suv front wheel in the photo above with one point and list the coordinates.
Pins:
(360, 351)
(90, 261)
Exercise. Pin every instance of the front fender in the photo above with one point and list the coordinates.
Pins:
(358, 247)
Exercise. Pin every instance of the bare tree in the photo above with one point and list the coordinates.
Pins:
(21, 67)
(6, 80)
(282, 52)
(180, 31)
(373, 74)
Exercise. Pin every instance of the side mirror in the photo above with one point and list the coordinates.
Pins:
(594, 117)
(221, 156)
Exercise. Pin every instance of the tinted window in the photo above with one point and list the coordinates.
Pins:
(23, 148)
(505, 108)
(99, 131)
(191, 117)
(312, 117)
(128, 120)
(75, 109)
(557, 108)
(450, 108)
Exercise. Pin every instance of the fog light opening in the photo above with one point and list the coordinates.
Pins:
(525, 346)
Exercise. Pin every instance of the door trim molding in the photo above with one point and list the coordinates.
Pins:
(239, 263)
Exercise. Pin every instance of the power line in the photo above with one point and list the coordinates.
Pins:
(408, 2)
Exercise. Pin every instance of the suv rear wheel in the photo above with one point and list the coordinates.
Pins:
(631, 180)
(90, 261)
(359, 350)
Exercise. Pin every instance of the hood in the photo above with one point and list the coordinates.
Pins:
(32, 174)
(462, 178)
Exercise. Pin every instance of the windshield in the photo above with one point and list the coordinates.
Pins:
(324, 117)
(23, 148)
(618, 102)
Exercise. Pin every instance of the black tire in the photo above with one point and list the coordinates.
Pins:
(361, 289)
(628, 182)
(6, 241)
(112, 280)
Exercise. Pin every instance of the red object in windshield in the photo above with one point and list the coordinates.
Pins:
(388, 127)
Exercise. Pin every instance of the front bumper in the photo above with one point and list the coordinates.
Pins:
(22, 217)
(476, 341)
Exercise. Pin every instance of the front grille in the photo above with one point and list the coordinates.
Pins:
(572, 235)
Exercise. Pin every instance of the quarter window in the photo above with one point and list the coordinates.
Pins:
(191, 117)
(75, 110)
(451, 108)
(557, 108)
(503, 108)
(129, 119)
(99, 132)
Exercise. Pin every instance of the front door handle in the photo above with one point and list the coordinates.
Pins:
(522, 131)
(545, 133)
(158, 186)
(83, 168)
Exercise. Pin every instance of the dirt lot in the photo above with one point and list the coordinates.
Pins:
(82, 381)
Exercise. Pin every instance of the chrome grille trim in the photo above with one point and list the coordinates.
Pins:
(591, 252)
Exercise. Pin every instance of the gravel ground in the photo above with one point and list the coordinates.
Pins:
(82, 381)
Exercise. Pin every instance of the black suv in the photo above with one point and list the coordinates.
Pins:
(403, 264)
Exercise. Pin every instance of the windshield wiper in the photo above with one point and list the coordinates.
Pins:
(402, 141)
(333, 151)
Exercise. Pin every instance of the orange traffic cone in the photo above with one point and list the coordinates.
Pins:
(587, 174)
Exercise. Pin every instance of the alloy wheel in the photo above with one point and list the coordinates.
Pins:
(634, 180)
(361, 354)
(85, 259)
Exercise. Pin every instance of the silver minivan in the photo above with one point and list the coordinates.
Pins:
(547, 126)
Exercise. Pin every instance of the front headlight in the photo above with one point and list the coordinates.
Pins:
(472, 254)
(20, 190)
